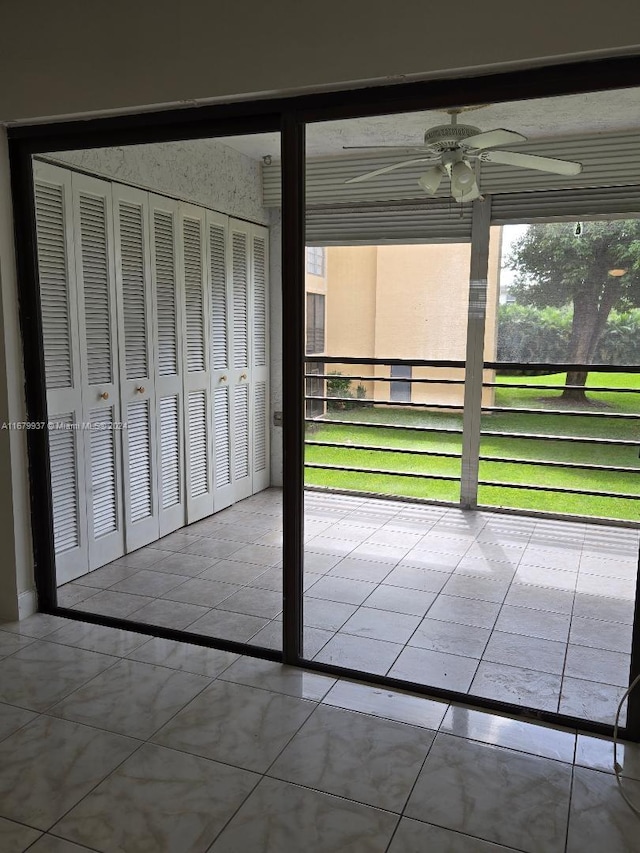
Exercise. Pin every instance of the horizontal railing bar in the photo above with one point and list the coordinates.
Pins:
(386, 426)
(610, 442)
(367, 400)
(558, 489)
(409, 450)
(556, 367)
(420, 380)
(572, 414)
(590, 388)
(416, 362)
(382, 471)
(584, 466)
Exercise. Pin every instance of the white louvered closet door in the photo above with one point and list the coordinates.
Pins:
(168, 376)
(137, 369)
(59, 304)
(196, 361)
(260, 444)
(221, 359)
(240, 374)
(93, 227)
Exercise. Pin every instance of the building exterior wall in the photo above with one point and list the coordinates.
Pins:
(407, 302)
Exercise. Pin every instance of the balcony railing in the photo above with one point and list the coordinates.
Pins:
(554, 445)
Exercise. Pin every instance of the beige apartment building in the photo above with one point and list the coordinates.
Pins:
(398, 302)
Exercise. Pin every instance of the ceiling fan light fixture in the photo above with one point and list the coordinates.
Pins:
(462, 178)
(432, 179)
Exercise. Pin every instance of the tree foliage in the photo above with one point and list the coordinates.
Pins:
(554, 267)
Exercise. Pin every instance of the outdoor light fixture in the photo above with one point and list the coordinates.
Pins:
(432, 179)
(616, 273)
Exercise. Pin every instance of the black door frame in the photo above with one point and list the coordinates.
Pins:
(289, 116)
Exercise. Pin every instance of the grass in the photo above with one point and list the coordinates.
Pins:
(540, 423)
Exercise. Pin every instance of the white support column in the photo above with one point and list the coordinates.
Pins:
(475, 352)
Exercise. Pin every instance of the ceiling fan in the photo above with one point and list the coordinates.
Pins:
(456, 150)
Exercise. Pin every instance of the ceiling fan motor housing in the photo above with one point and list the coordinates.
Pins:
(447, 136)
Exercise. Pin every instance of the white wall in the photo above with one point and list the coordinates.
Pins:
(71, 56)
(201, 171)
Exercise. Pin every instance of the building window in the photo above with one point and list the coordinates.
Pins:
(400, 391)
(315, 388)
(315, 323)
(315, 260)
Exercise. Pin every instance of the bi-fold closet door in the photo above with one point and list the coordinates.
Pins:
(154, 314)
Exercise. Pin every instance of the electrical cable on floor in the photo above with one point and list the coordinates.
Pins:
(617, 768)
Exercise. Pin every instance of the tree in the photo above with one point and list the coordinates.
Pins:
(594, 272)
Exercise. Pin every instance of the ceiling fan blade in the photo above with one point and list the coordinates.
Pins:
(376, 147)
(391, 168)
(533, 161)
(491, 138)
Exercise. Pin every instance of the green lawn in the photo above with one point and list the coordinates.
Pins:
(538, 423)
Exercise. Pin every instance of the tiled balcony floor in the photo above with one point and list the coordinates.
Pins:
(530, 611)
(112, 741)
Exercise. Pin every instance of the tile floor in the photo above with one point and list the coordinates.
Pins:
(530, 611)
(115, 742)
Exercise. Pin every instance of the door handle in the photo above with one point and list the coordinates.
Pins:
(222, 379)
(104, 395)
(243, 376)
(140, 389)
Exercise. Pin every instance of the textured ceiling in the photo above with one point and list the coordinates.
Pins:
(549, 118)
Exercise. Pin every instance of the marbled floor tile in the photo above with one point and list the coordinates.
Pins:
(15, 837)
(319, 562)
(190, 565)
(280, 817)
(226, 625)
(12, 719)
(360, 570)
(390, 704)
(197, 659)
(213, 548)
(52, 844)
(226, 571)
(10, 643)
(596, 753)
(143, 557)
(202, 592)
(381, 625)
(254, 602)
(409, 577)
(147, 582)
(119, 604)
(269, 675)
(37, 626)
(361, 653)
(270, 637)
(527, 652)
(536, 739)
(341, 590)
(613, 636)
(97, 638)
(73, 593)
(598, 665)
(178, 540)
(131, 698)
(43, 673)
(327, 615)
(591, 700)
(599, 818)
(606, 609)
(533, 623)
(357, 756)
(169, 614)
(472, 787)
(518, 685)
(413, 602)
(437, 669)
(106, 576)
(264, 555)
(50, 764)
(450, 637)
(479, 589)
(159, 800)
(540, 598)
(478, 614)
(486, 569)
(413, 836)
(243, 726)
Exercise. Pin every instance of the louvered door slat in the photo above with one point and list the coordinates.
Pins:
(139, 473)
(104, 479)
(132, 261)
(260, 427)
(165, 290)
(170, 451)
(241, 432)
(194, 297)
(54, 286)
(259, 303)
(96, 288)
(222, 437)
(240, 300)
(198, 444)
(64, 486)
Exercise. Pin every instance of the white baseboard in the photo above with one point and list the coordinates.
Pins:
(27, 604)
